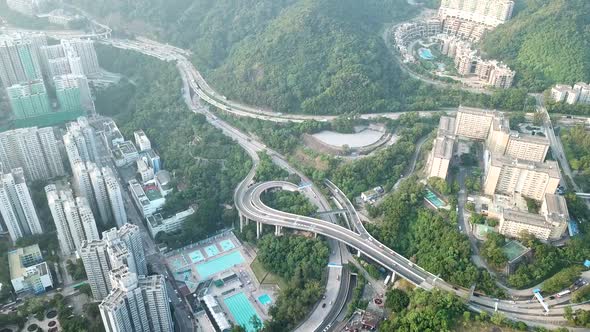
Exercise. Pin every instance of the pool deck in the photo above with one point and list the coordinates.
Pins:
(246, 281)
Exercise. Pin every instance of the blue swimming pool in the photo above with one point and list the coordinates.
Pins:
(226, 245)
(219, 264)
(242, 310)
(425, 53)
(265, 299)
(433, 199)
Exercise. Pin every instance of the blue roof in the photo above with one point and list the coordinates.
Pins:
(587, 263)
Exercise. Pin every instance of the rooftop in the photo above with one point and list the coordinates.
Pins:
(514, 250)
(446, 126)
(525, 218)
(556, 207)
(443, 147)
(550, 167)
(21, 258)
(516, 136)
(152, 192)
(477, 111)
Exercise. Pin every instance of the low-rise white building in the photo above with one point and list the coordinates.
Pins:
(145, 171)
(147, 197)
(28, 271)
(157, 223)
(125, 154)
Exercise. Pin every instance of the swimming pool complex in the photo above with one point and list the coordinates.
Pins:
(425, 53)
(196, 256)
(211, 250)
(265, 299)
(242, 310)
(226, 245)
(217, 265)
(433, 199)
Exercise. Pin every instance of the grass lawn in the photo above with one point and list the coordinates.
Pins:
(265, 277)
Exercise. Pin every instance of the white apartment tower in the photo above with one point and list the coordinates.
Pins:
(19, 58)
(55, 200)
(85, 50)
(81, 135)
(487, 12)
(97, 265)
(82, 183)
(73, 219)
(136, 304)
(101, 194)
(130, 236)
(16, 205)
(34, 150)
(115, 197)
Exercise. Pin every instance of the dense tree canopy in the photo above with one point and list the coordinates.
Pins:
(300, 261)
(546, 43)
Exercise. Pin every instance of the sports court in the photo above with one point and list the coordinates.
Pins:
(196, 256)
(226, 245)
(211, 250)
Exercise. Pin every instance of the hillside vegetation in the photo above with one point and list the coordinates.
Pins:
(312, 56)
(547, 42)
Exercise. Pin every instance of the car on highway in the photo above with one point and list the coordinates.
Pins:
(323, 305)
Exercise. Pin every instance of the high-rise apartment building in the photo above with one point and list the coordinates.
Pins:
(16, 205)
(28, 99)
(85, 50)
(488, 12)
(136, 304)
(73, 93)
(508, 176)
(19, 58)
(73, 219)
(131, 236)
(83, 184)
(549, 225)
(55, 200)
(115, 196)
(81, 142)
(122, 248)
(473, 123)
(101, 194)
(97, 265)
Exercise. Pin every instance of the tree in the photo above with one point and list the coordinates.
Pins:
(492, 252)
(561, 279)
(538, 118)
(396, 300)
(255, 323)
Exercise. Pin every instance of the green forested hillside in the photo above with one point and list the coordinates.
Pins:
(314, 56)
(547, 42)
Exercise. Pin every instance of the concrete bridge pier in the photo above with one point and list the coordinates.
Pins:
(278, 230)
(243, 222)
(258, 229)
